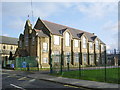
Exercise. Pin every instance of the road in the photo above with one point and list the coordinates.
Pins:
(14, 81)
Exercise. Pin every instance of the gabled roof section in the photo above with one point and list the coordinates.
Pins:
(8, 40)
(40, 33)
(58, 29)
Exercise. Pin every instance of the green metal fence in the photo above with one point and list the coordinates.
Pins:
(102, 72)
(26, 63)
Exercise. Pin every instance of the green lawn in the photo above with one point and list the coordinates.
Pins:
(112, 75)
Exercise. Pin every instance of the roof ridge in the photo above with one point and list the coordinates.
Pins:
(68, 27)
(8, 37)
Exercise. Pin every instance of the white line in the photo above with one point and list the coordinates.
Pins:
(17, 86)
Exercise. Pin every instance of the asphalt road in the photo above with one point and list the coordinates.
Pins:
(14, 81)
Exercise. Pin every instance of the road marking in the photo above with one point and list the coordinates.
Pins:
(71, 86)
(17, 86)
(32, 80)
(22, 78)
(8, 76)
(4, 73)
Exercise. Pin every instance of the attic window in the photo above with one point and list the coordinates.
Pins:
(60, 31)
(84, 42)
(67, 39)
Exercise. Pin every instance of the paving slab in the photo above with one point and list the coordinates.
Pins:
(75, 82)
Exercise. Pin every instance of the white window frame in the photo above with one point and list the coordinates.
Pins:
(84, 40)
(56, 40)
(67, 39)
(45, 47)
(76, 55)
(97, 44)
(76, 43)
(85, 57)
(102, 47)
(45, 60)
(91, 45)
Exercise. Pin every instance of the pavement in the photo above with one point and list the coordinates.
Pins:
(68, 81)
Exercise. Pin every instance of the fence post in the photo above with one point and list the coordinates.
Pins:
(105, 64)
(51, 71)
(61, 65)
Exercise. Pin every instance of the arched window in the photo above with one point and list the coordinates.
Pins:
(97, 44)
(67, 39)
(84, 42)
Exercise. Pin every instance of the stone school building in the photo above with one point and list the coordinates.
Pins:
(48, 40)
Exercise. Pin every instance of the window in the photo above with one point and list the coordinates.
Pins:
(4, 47)
(26, 40)
(102, 47)
(45, 60)
(85, 58)
(45, 47)
(11, 47)
(33, 40)
(56, 56)
(76, 43)
(68, 59)
(97, 44)
(97, 58)
(20, 43)
(84, 42)
(67, 39)
(76, 57)
(91, 45)
(56, 40)
(91, 57)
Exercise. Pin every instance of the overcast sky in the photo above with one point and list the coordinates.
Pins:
(100, 18)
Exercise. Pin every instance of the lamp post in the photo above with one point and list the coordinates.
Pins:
(68, 60)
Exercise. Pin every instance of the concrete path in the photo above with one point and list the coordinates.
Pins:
(74, 82)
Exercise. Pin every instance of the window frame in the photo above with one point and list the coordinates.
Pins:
(45, 60)
(56, 42)
(67, 39)
(45, 48)
(84, 42)
(90, 45)
(76, 43)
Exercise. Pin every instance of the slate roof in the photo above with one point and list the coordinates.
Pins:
(8, 40)
(59, 29)
(40, 33)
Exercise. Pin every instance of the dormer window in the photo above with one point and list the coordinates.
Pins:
(84, 42)
(67, 39)
(97, 44)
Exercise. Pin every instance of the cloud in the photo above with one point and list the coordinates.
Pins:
(5, 35)
(97, 10)
(111, 26)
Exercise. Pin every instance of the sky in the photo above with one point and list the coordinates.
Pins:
(100, 18)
